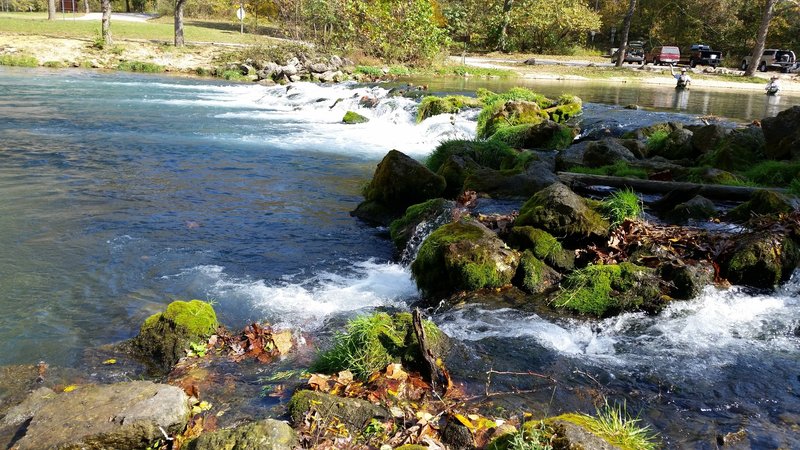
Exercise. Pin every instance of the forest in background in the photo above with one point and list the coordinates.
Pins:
(417, 31)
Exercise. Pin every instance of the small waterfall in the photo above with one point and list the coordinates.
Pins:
(421, 232)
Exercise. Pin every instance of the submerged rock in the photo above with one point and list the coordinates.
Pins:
(399, 182)
(697, 207)
(268, 434)
(561, 212)
(123, 415)
(353, 413)
(163, 337)
(351, 117)
(463, 256)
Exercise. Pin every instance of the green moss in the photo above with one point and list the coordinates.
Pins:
(763, 202)
(711, 175)
(452, 104)
(536, 276)
(55, 64)
(657, 141)
(540, 242)
(646, 132)
(774, 173)
(18, 60)
(603, 290)
(370, 343)
(494, 116)
(140, 66)
(232, 75)
(492, 154)
(195, 316)
(559, 211)
(399, 229)
(738, 151)
(372, 71)
(567, 106)
(351, 117)
(533, 136)
(618, 169)
(621, 205)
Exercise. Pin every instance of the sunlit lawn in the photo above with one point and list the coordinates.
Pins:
(159, 29)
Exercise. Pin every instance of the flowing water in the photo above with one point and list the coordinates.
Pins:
(121, 192)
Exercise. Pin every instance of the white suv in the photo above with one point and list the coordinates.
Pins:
(773, 58)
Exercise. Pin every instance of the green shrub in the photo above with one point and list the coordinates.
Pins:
(232, 75)
(18, 60)
(140, 66)
(621, 205)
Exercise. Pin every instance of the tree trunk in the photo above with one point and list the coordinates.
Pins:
(86, 9)
(717, 191)
(626, 28)
(51, 9)
(503, 35)
(179, 23)
(105, 5)
(436, 374)
(761, 39)
(127, 6)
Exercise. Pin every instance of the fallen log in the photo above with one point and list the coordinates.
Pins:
(711, 191)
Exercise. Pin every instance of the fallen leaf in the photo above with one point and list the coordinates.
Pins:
(282, 341)
(70, 388)
(110, 361)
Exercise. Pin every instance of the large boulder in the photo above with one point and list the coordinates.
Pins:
(571, 156)
(739, 150)
(268, 434)
(561, 212)
(164, 337)
(762, 203)
(507, 183)
(782, 134)
(463, 256)
(534, 275)
(545, 135)
(328, 409)
(543, 245)
(511, 113)
(606, 152)
(431, 214)
(686, 281)
(761, 259)
(605, 290)
(677, 145)
(116, 416)
(399, 182)
(706, 138)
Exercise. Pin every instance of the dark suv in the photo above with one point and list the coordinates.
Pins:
(633, 54)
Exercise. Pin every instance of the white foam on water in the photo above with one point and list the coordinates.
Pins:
(306, 304)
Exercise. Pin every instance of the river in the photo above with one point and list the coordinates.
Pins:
(121, 192)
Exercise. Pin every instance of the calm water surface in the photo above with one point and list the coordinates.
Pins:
(121, 192)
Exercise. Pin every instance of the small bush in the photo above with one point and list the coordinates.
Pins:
(232, 75)
(140, 66)
(55, 64)
(621, 205)
(18, 60)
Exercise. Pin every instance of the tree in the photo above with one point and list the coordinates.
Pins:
(503, 34)
(551, 26)
(179, 4)
(86, 6)
(761, 38)
(51, 9)
(105, 6)
(626, 28)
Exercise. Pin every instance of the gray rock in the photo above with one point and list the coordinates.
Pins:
(678, 145)
(571, 156)
(561, 212)
(319, 68)
(606, 152)
(25, 410)
(265, 434)
(289, 70)
(336, 61)
(116, 416)
(698, 207)
(295, 78)
(782, 134)
(328, 76)
(704, 139)
(354, 413)
(580, 437)
(686, 281)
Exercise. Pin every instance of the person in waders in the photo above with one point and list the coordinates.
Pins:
(773, 87)
(684, 80)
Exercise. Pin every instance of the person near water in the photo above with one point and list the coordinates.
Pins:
(772, 87)
(684, 80)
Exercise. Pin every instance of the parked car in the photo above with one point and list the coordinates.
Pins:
(666, 54)
(633, 54)
(773, 58)
(701, 54)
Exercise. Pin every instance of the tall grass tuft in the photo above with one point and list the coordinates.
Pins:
(614, 424)
(621, 205)
(18, 60)
(358, 349)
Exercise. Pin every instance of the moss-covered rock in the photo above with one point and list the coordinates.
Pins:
(164, 337)
(676, 146)
(559, 211)
(505, 183)
(606, 152)
(763, 203)
(708, 175)
(547, 135)
(399, 182)
(543, 246)
(534, 275)
(605, 290)
(565, 108)
(451, 104)
(738, 151)
(330, 410)
(352, 117)
(706, 138)
(698, 207)
(782, 134)
(375, 213)
(645, 132)
(463, 256)
(534, 109)
(455, 170)
(491, 154)
(761, 260)
(267, 434)
(402, 229)
(686, 281)
(574, 432)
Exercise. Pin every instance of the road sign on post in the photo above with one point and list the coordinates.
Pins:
(240, 15)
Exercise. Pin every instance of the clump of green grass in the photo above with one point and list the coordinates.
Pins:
(18, 60)
(463, 71)
(140, 66)
(618, 169)
(621, 205)
(493, 154)
(232, 75)
(54, 64)
(615, 425)
(774, 173)
(399, 71)
(372, 71)
(530, 438)
(657, 141)
(794, 187)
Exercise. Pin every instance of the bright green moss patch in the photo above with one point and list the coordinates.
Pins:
(657, 141)
(603, 290)
(195, 316)
(522, 106)
(535, 136)
(492, 154)
(452, 104)
(18, 60)
(763, 202)
(351, 117)
(370, 343)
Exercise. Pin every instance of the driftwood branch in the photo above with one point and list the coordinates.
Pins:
(436, 374)
(714, 191)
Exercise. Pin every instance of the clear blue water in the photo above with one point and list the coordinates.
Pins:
(122, 192)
